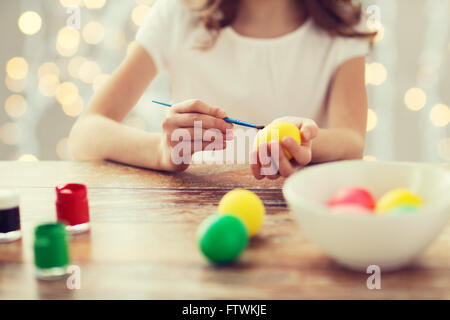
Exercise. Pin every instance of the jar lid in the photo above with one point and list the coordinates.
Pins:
(71, 191)
(9, 199)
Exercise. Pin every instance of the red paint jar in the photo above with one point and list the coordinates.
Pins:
(72, 207)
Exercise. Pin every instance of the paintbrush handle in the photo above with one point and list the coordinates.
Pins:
(227, 119)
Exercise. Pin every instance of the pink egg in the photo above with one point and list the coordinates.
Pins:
(353, 196)
(350, 209)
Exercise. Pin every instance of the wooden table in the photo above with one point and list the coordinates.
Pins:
(142, 243)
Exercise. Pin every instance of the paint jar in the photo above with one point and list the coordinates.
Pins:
(72, 207)
(51, 251)
(9, 216)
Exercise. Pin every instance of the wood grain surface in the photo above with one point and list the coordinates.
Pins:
(142, 241)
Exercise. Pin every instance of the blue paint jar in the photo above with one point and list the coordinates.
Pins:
(9, 216)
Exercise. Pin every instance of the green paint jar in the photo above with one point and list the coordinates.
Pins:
(51, 250)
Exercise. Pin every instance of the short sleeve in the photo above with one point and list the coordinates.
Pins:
(157, 34)
(350, 48)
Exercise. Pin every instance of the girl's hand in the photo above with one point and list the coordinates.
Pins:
(192, 126)
(301, 154)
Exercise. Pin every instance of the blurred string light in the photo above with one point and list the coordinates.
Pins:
(93, 32)
(30, 22)
(94, 4)
(48, 78)
(28, 158)
(68, 41)
(48, 68)
(415, 99)
(376, 73)
(15, 106)
(14, 85)
(67, 93)
(73, 108)
(440, 115)
(71, 3)
(89, 70)
(90, 4)
(369, 158)
(139, 14)
(17, 68)
(380, 34)
(372, 120)
(100, 81)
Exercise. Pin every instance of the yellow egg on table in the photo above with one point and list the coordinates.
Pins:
(277, 131)
(396, 198)
(246, 206)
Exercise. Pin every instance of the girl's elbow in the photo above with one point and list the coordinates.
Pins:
(78, 141)
(355, 147)
(358, 148)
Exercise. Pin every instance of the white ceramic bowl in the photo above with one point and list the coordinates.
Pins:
(357, 242)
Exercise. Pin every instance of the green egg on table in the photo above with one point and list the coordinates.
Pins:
(222, 238)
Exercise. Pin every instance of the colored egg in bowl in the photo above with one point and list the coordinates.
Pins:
(358, 241)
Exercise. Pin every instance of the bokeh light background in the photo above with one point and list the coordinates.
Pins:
(50, 71)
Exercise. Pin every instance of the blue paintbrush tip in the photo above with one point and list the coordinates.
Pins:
(162, 103)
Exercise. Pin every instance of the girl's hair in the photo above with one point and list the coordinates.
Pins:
(338, 17)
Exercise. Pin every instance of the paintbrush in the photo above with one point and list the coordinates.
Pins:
(227, 119)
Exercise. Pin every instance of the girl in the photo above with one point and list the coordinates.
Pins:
(293, 60)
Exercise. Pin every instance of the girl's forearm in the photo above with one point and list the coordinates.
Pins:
(95, 137)
(337, 144)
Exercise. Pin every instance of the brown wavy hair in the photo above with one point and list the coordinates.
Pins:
(338, 17)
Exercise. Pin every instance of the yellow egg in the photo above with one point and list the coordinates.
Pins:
(395, 198)
(246, 206)
(280, 130)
